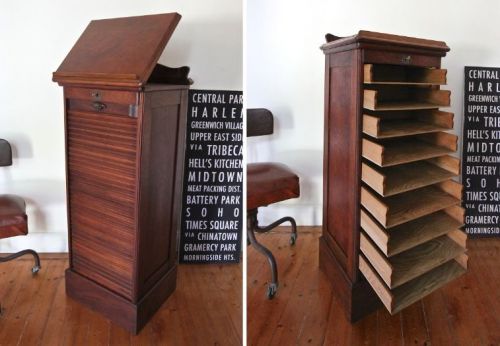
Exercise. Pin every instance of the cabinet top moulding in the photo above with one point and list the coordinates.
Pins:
(370, 39)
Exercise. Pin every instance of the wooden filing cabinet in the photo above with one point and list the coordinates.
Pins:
(125, 119)
(392, 214)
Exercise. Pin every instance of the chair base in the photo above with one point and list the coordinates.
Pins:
(33, 253)
(34, 270)
(252, 227)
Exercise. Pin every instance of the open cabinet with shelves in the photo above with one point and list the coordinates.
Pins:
(392, 216)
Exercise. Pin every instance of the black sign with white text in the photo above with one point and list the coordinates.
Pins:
(213, 178)
(481, 151)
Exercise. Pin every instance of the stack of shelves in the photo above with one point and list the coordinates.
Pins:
(411, 241)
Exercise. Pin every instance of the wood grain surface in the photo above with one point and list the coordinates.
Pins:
(410, 234)
(378, 128)
(411, 263)
(403, 296)
(121, 51)
(395, 210)
(101, 185)
(390, 74)
(397, 97)
(392, 152)
(205, 309)
(402, 178)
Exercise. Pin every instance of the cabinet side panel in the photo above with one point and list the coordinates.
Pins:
(162, 133)
(342, 158)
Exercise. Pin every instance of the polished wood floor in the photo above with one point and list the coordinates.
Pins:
(204, 310)
(304, 312)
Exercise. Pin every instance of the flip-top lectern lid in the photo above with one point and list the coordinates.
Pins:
(118, 51)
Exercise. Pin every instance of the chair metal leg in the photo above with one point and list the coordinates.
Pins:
(276, 223)
(34, 269)
(272, 288)
(253, 226)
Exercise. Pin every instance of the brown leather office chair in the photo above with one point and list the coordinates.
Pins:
(13, 218)
(267, 183)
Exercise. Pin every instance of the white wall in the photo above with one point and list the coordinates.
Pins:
(35, 36)
(285, 70)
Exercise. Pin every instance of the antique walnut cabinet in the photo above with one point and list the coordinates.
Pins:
(125, 118)
(392, 215)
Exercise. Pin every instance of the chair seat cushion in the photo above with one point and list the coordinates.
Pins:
(269, 182)
(13, 219)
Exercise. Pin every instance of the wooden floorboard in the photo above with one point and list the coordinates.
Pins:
(304, 311)
(205, 309)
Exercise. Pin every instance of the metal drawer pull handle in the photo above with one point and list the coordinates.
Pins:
(99, 106)
(406, 59)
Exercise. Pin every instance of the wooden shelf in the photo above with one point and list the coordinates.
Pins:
(412, 263)
(402, 178)
(381, 99)
(398, 128)
(403, 75)
(414, 290)
(392, 152)
(406, 236)
(377, 127)
(403, 105)
(407, 206)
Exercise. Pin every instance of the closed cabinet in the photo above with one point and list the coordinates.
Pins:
(125, 122)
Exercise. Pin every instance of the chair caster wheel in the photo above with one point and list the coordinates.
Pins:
(271, 290)
(293, 239)
(35, 270)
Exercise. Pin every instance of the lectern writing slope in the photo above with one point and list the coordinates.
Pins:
(125, 119)
(391, 213)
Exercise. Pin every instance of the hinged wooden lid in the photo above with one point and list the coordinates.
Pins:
(118, 51)
(376, 38)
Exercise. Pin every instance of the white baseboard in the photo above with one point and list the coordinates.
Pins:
(40, 242)
(304, 215)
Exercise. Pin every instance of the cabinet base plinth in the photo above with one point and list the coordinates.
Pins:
(130, 316)
(358, 298)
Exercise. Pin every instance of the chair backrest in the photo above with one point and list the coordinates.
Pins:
(259, 122)
(5, 153)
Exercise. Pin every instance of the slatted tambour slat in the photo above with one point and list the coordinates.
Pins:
(405, 207)
(96, 183)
